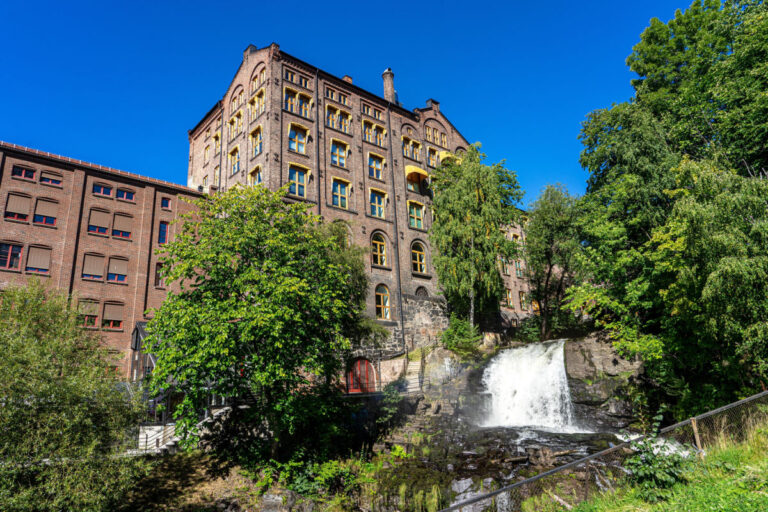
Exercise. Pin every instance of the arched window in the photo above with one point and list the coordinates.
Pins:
(418, 258)
(361, 377)
(382, 302)
(379, 250)
(421, 292)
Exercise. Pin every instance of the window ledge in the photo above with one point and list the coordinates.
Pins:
(421, 275)
(14, 270)
(380, 267)
(117, 283)
(346, 210)
(380, 180)
(17, 221)
(41, 274)
(51, 185)
(44, 225)
(107, 329)
(27, 180)
(382, 219)
(390, 323)
(422, 230)
(294, 152)
(339, 130)
(87, 280)
(100, 235)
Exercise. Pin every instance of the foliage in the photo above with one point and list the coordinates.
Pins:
(671, 231)
(389, 407)
(472, 202)
(655, 467)
(268, 299)
(551, 249)
(461, 337)
(65, 418)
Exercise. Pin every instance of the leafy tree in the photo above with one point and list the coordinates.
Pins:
(472, 203)
(697, 97)
(64, 420)
(269, 300)
(551, 249)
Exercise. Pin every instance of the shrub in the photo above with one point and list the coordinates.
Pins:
(461, 338)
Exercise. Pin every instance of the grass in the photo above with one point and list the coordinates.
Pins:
(730, 478)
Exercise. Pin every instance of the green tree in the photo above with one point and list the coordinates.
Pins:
(472, 203)
(268, 301)
(700, 76)
(551, 250)
(64, 419)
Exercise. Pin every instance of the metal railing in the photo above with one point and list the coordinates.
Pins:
(565, 486)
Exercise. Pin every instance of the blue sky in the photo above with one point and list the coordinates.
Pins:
(120, 84)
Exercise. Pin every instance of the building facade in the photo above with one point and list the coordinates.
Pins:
(91, 231)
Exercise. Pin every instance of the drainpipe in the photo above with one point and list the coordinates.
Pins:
(396, 239)
(221, 147)
(318, 148)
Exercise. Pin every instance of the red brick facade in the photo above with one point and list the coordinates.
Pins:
(87, 240)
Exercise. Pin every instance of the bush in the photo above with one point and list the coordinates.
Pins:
(461, 338)
(656, 467)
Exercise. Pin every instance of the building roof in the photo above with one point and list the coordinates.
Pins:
(96, 167)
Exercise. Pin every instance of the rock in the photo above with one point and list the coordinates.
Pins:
(594, 356)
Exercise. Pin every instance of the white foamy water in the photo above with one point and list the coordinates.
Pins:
(529, 388)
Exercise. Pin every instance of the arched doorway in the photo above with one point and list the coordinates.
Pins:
(361, 377)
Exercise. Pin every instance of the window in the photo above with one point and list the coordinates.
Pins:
(297, 138)
(411, 148)
(254, 83)
(262, 75)
(290, 76)
(88, 312)
(93, 267)
(235, 125)
(205, 180)
(443, 140)
(159, 275)
(113, 316)
(127, 195)
(378, 250)
(23, 173)
(338, 153)
(340, 193)
(518, 268)
(46, 212)
(122, 226)
(413, 182)
(256, 105)
(304, 102)
(39, 260)
(256, 142)
(377, 204)
(523, 301)
(377, 114)
(290, 101)
(304, 81)
(366, 109)
(47, 178)
(508, 298)
(382, 302)
(368, 132)
(361, 377)
(432, 157)
(216, 144)
(298, 180)
(375, 164)
(216, 176)
(378, 135)
(98, 222)
(254, 177)
(234, 161)
(17, 207)
(337, 119)
(429, 134)
(343, 99)
(102, 190)
(10, 256)
(118, 270)
(415, 215)
(165, 203)
(418, 258)
(162, 233)
(330, 94)
(422, 292)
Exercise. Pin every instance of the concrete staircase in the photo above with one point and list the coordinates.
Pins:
(412, 384)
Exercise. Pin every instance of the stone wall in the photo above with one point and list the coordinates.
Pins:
(424, 319)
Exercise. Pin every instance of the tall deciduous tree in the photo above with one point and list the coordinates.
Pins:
(268, 301)
(64, 418)
(472, 203)
(551, 250)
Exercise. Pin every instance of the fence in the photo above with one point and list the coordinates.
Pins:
(565, 486)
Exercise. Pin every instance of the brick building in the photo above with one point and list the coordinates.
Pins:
(89, 230)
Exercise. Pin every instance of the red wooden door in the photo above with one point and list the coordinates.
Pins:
(361, 378)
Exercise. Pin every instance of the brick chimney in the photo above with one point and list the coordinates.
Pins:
(347, 78)
(389, 85)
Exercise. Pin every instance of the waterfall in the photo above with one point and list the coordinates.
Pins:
(529, 388)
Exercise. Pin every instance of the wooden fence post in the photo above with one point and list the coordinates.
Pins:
(696, 436)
